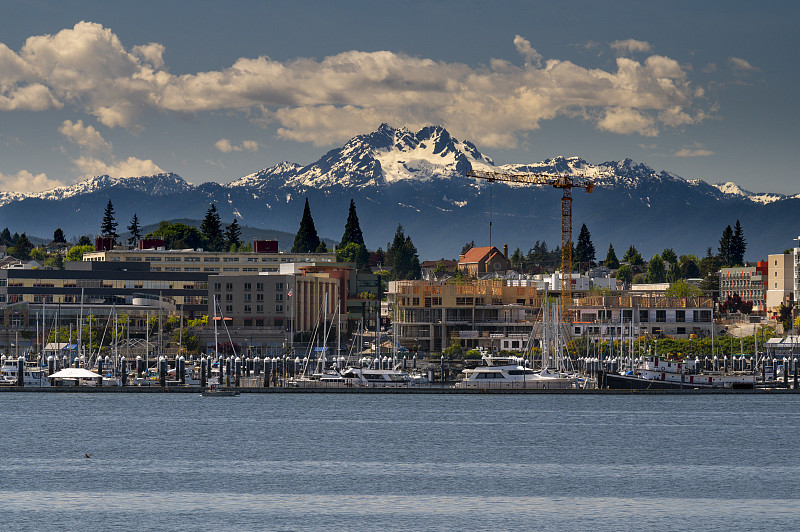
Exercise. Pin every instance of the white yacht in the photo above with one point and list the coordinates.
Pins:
(502, 374)
(33, 375)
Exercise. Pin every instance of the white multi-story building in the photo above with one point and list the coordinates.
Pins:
(780, 283)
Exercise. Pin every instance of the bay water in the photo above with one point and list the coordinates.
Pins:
(399, 462)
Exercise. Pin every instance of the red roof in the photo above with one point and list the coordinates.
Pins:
(477, 254)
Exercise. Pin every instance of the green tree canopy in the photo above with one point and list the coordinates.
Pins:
(22, 248)
(352, 252)
(233, 235)
(179, 236)
(58, 236)
(75, 253)
(625, 274)
(306, 240)
(689, 267)
(84, 240)
(352, 229)
(401, 257)
(655, 270)
(611, 260)
(211, 227)
(108, 227)
(633, 257)
(674, 272)
(668, 255)
(681, 288)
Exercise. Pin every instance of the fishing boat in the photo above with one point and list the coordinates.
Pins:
(655, 373)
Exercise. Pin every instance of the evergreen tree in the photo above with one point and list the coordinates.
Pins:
(233, 235)
(689, 268)
(517, 260)
(633, 257)
(352, 229)
(135, 229)
(84, 241)
(211, 227)
(725, 243)
(401, 257)
(21, 248)
(674, 272)
(738, 245)
(669, 256)
(655, 270)
(58, 236)
(306, 239)
(468, 246)
(625, 274)
(584, 249)
(5, 237)
(109, 227)
(611, 260)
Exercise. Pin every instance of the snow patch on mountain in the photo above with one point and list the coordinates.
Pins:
(732, 189)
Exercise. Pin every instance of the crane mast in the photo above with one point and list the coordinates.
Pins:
(566, 184)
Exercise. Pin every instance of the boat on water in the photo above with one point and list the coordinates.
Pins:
(657, 374)
(215, 392)
(498, 373)
(33, 375)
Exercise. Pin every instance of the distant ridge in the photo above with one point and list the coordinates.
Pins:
(417, 179)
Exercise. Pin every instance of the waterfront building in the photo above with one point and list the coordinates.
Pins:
(749, 282)
(640, 313)
(479, 261)
(208, 262)
(430, 313)
(780, 284)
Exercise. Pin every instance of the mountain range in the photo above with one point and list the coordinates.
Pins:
(417, 179)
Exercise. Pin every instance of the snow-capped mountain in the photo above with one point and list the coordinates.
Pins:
(417, 179)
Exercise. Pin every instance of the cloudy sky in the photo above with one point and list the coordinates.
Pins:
(215, 91)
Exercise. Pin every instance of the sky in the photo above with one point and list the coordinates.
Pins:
(217, 90)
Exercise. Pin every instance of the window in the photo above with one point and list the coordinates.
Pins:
(644, 316)
(415, 301)
(228, 286)
(192, 259)
(680, 316)
(259, 286)
(191, 269)
(231, 259)
(278, 287)
(248, 308)
(259, 308)
(228, 308)
(248, 286)
(259, 297)
(228, 297)
(278, 308)
(210, 269)
(211, 259)
(259, 323)
(248, 323)
(252, 259)
(680, 330)
(230, 269)
(247, 297)
(278, 297)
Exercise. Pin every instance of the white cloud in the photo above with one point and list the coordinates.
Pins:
(626, 121)
(742, 65)
(630, 46)
(87, 137)
(25, 181)
(87, 68)
(697, 150)
(532, 57)
(130, 167)
(225, 146)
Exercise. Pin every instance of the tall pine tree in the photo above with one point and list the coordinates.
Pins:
(352, 229)
(611, 258)
(306, 240)
(109, 227)
(58, 236)
(738, 245)
(725, 247)
(233, 235)
(401, 257)
(135, 230)
(211, 228)
(584, 250)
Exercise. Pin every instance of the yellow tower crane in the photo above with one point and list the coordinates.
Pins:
(566, 184)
